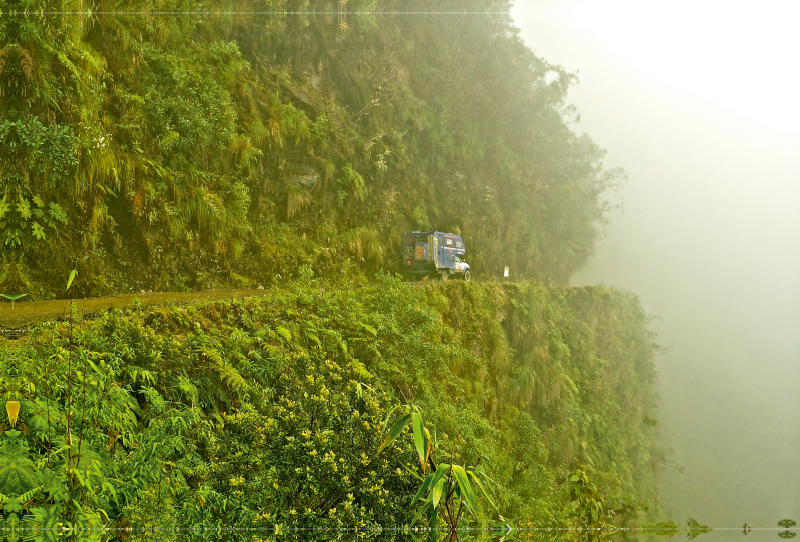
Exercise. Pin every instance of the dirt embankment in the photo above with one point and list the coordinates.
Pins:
(25, 313)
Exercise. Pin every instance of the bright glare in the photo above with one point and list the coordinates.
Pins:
(741, 57)
(698, 101)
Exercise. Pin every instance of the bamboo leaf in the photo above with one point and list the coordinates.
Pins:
(464, 486)
(388, 417)
(395, 431)
(431, 480)
(441, 470)
(72, 276)
(423, 488)
(436, 494)
(476, 481)
(417, 425)
(426, 446)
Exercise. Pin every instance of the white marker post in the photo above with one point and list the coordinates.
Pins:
(505, 273)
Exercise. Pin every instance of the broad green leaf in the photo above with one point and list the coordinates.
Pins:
(388, 417)
(38, 231)
(436, 494)
(423, 488)
(395, 431)
(90, 362)
(438, 476)
(464, 486)
(431, 480)
(72, 276)
(417, 425)
(57, 213)
(24, 208)
(426, 446)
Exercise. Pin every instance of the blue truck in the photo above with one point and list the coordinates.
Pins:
(434, 253)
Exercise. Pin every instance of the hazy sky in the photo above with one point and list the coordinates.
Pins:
(700, 103)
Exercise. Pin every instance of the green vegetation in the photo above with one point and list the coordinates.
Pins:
(175, 153)
(247, 147)
(663, 528)
(275, 410)
(695, 529)
(787, 524)
(447, 489)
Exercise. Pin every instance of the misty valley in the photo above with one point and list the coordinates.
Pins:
(306, 269)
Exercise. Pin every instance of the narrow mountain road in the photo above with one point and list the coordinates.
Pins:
(25, 313)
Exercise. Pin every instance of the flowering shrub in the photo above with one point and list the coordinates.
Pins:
(309, 459)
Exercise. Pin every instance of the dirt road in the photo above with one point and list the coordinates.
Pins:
(25, 313)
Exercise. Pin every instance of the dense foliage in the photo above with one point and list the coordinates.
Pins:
(196, 151)
(271, 410)
(290, 143)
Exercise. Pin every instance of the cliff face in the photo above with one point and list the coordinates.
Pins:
(196, 151)
(271, 410)
(258, 143)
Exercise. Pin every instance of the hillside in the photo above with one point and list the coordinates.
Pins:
(285, 146)
(270, 410)
(175, 153)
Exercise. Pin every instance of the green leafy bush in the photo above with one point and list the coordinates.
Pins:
(170, 144)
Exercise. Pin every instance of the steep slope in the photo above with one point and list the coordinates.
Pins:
(269, 411)
(186, 152)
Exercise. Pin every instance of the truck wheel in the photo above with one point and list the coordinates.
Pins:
(466, 275)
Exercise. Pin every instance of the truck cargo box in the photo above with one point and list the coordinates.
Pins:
(431, 253)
